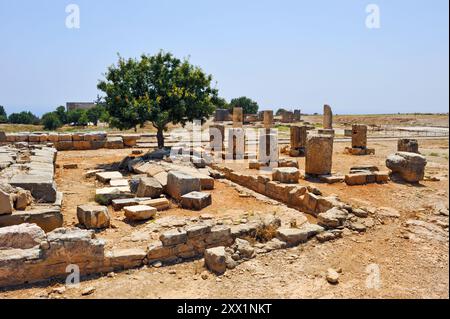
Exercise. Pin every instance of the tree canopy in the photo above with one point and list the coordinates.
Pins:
(161, 89)
(51, 121)
(249, 106)
(3, 115)
(23, 118)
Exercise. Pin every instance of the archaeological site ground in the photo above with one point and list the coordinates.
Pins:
(259, 206)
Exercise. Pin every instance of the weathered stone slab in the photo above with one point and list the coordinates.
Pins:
(42, 187)
(139, 212)
(118, 183)
(106, 177)
(173, 237)
(104, 196)
(46, 218)
(114, 142)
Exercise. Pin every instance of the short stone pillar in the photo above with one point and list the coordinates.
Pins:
(268, 119)
(268, 147)
(319, 155)
(359, 136)
(298, 137)
(408, 145)
(238, 117)
(297, 115)
(222, 115)
(217, 138)
(287, 117)
(327, 118)
(236, 144)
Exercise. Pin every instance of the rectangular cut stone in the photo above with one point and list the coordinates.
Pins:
(298, 137)
(139, 212)
(196, 200)
(114, 142)
(173, 237)
(118, 182)
(359, 136)
(180, 183)
(319, 155)
(268, 119)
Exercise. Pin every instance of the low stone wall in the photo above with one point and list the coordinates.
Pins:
(73, 141)
(306, 199)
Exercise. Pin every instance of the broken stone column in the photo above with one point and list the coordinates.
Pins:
(359, 136)
(327, 118)
(319, 155)
(268, 119)
(236, 143)
(408, 145)
(268, 147)
(217, 137)
(298, 138)
(238, 117)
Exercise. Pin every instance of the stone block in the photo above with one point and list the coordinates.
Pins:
(359, 136)
(196, 200)
(286, 175)
(6, 203)
(149, 187)
(215, 260)
(180, 183)
(114, 142)
(139, 212)
(93, 216)
(23, 236)
(409, 166)
(106, 177)
(319, 155)
(173, 237)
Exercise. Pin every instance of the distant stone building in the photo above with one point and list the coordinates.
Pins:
(79, 105)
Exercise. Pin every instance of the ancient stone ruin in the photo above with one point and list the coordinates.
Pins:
(359, 142)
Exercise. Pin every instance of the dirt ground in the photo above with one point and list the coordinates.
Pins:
(406, 268)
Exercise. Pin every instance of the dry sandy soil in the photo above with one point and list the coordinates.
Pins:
(409, 266)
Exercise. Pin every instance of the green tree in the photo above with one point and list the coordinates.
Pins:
(51, 121)
(161, 89)
(3, 115)
(62, 114)
(77, 117)
(23, 118)
(96, 114)
(280, 111)
(249, 106)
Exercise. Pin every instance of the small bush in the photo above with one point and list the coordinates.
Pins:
(51, 121)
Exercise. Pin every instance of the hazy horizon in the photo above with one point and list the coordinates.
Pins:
(284, 54)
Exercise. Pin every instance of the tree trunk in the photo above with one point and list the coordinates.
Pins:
(160, 137)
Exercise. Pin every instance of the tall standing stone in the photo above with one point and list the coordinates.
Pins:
(238, 117)
(217, 137)
(268, 119)
(268, 147)
(327, 118)
(359, 136)
(319, 155)
(236, 143)
(298, 137)
(297, 115)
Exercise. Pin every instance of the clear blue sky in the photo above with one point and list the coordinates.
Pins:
(280, 53)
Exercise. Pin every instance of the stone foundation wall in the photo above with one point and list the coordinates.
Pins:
(72, 141)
